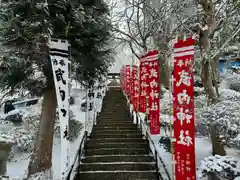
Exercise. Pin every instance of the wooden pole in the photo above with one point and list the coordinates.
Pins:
(171, 119)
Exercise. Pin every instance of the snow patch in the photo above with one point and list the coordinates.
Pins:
(42, 175)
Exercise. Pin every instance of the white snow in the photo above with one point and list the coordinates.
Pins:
(41, 176)
(17, 166)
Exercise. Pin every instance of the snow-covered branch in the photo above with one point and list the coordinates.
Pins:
(227, 42)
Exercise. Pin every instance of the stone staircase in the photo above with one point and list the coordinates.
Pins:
(116, 149)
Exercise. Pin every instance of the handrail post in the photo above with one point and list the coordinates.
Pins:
(137, 118)
(141, 127)
(85, 141)
(156, 158)
(79, 160)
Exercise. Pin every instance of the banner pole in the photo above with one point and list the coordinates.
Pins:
(171, 117)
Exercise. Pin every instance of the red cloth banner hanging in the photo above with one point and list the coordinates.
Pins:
(128, 79)
(135, 87)
(131, 86)
(124, 78)
(154, 90)
(184, 146)
(143, 76)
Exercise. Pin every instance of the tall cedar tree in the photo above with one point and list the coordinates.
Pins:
(25, 29)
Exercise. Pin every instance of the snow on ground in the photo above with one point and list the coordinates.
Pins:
(203, 149)
(17, 166)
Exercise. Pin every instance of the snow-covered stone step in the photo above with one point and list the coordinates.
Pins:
(114, 110)
(106, 121)
(120, 124)
(117, 158)
(118, 175)
(110, 131)
(109, 112)
(130, 166)
(117, 145)
(116, 151)
(116, 140)
(114, 128)
(116, 135)
(114, 123)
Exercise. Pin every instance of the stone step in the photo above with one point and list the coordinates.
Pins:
(116, 140)
(130, 166)
(116, 135)
(112, 131)
(117, 107)
(117, 151)
(114, 109)
(117, 145)
(112, 128)
(112, 120)
(119, 103)
(116, 125)
(117, 158)
(113, 116)
(108, 111)
(117, 175)
(114, 96)
(107, 122)
(118, 115)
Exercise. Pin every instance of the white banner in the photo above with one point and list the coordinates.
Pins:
(59, 55)
(98, 99)
(90, 110)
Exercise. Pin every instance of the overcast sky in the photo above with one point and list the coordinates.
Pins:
(123, 54)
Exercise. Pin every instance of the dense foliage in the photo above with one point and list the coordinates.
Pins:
(26, 27)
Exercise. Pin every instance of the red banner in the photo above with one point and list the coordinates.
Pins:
(131, 86)
(124, 79)
(184, 146)
(143, 74)
(127, 79)
(135, 87)
(154, 90)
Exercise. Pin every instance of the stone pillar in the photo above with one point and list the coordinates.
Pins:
(5, 148)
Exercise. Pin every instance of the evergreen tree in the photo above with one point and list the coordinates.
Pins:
(25, 29)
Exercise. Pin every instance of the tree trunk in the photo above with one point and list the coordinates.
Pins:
(213, 176)
(217, 145)
(164, 73)
(204, 44)
(160, 41)
(215, 74)
(41, 158)
(206, 77)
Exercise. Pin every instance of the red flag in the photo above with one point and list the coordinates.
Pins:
(131, 86)
(153, 92)
(135, 86)
(143, 74)
(184, 146)
(128, 80)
